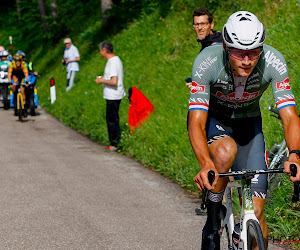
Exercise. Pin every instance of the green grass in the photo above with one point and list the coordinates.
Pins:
(157, 55)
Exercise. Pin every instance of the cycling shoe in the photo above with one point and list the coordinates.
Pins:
(210, 240)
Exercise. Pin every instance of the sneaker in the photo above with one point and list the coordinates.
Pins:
(200, 211)
(111, 149)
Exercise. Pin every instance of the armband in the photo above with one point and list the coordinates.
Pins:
(296, 152)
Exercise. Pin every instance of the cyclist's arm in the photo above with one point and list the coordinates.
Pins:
(197, 136)
(10, 69)
(291, 126)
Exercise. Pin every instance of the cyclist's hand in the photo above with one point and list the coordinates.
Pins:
(189, 84)
(288, 171)
(201, 179)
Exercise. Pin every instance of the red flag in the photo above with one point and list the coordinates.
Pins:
(140, 108)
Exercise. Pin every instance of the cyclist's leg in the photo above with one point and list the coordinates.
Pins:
(23, 94)
(222, 150)
(14, 83)
(252, 155)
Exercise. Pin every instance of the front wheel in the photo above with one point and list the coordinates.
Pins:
(5, 97)
(31, 105)
(19, 109)
(255, 236)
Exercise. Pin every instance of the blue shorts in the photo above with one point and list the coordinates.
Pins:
(248, 135)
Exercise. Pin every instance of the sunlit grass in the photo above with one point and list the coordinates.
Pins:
(157, 53)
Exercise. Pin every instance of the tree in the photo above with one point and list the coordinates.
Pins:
(43, 15)
(105, 5)
(18, 9)
(54, 10)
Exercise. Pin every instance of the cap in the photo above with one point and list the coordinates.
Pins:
(67, 40)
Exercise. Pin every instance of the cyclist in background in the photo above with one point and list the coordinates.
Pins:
(225, 124)
(18, 70)
(4, 54)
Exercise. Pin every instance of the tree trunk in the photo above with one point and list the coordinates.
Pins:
(43, 15)
(18, 9)
(105, 5)
(54, 9)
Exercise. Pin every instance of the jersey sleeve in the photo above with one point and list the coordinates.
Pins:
(24, 67)
(201, 78)
(10, 69)
(277, 72)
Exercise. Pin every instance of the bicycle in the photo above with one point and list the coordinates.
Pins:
(250, 230)
(19, 107)
(279, 152)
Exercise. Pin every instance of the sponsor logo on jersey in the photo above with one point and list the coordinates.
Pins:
(231, 97)
(272, 60)
(197, 88)
(284, 84)
(204, 65)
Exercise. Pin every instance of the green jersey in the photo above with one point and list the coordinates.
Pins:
(215, 88)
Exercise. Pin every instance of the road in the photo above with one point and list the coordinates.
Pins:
(60, 190)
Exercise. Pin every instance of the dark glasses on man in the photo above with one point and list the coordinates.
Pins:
(238, 54)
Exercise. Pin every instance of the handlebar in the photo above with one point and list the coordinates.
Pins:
(295, 197)
(249, 174)
(211, 176)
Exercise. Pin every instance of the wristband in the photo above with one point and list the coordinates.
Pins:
(296, 152)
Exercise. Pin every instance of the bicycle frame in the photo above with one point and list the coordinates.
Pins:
(20, 100)
(247, 212)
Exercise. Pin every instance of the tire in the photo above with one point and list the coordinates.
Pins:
(20, 111)
(5, 97)
(225, 230)
(279, 165)
(254, 234)
(31, 105)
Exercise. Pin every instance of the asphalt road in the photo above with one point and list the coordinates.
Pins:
(60, 190)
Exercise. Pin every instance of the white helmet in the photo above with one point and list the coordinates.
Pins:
(243, 31)
(4, 53)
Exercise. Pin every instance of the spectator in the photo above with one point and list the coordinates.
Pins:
(71, 58)
(203, 24)
(113, 92)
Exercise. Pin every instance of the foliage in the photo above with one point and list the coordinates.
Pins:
(157, 44)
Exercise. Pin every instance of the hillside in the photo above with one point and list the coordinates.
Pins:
(157, 51)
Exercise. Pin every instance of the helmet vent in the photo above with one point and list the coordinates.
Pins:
(227, 37)
(245, 19)
(263, 37)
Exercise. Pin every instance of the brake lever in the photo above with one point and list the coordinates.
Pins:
(211, 178)
(295, 197)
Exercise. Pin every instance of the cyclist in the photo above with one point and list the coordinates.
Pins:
(225, 124)
(4, 54)
(4, 66)
(17, 71)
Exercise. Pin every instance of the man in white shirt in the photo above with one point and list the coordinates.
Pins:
(113, 92)
(71, 58)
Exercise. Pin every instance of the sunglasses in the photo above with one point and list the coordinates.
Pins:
(238, 54)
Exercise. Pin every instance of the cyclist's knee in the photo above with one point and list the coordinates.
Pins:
(223, 152)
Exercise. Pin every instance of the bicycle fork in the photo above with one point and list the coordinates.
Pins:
(20, 100)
